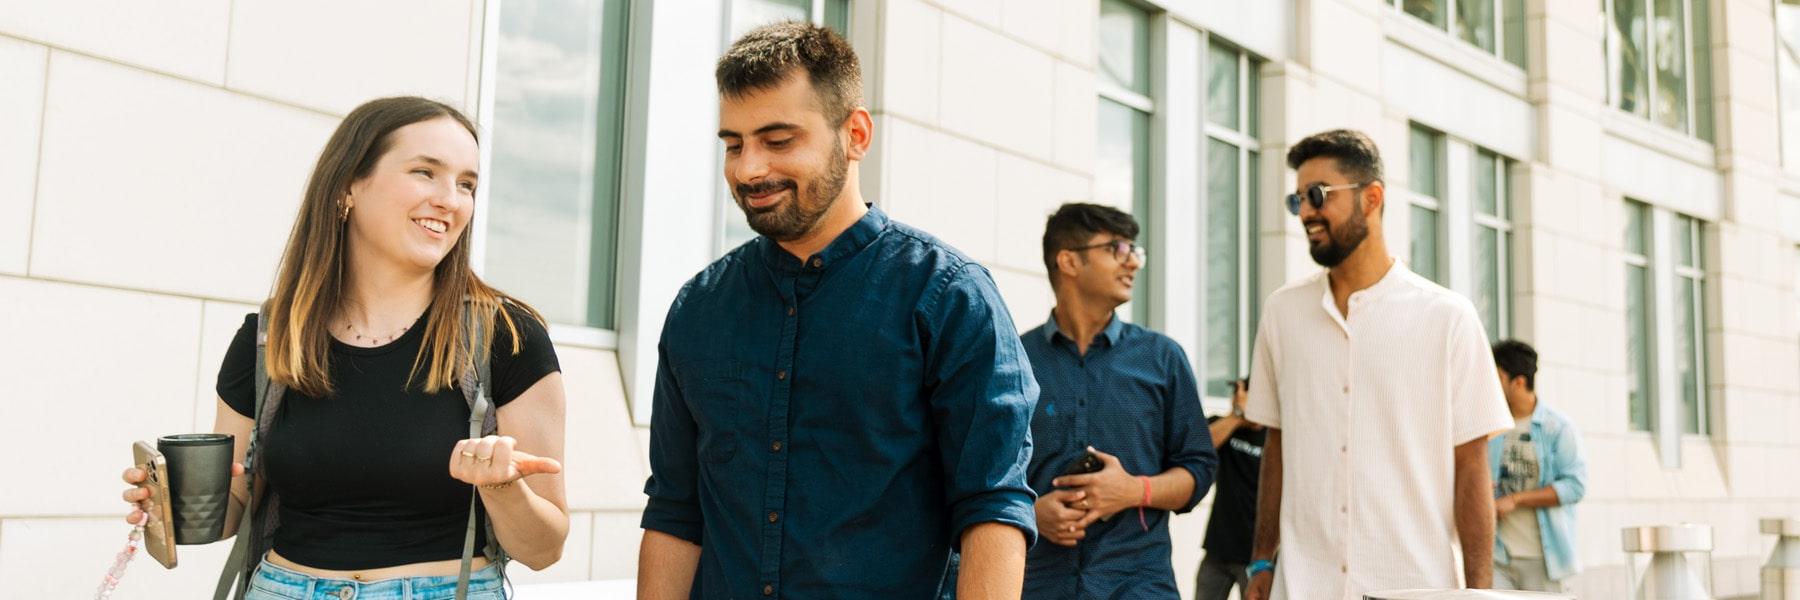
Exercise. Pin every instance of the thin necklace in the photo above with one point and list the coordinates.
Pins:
(373, 341)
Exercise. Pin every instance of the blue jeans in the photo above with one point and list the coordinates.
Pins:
(272, 582)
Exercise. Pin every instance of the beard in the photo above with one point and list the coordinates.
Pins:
(1341, 242)
(794, 219)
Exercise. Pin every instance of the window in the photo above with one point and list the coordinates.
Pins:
(1689, 328)
(1666, 343)
(1657, 62)
(1427, 152)
(1491, 272)
(1232, 162)
(552, 188)
(1787, 51)
(1475, 22)
(1638, 300)
(746, 15)
(1122, 170)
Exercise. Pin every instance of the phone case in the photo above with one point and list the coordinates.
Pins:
(159, 531)
(1088, 463)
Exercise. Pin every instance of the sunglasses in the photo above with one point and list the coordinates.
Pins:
(1121, 250)
(1315, 195)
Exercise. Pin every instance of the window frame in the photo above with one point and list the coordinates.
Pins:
(568, 334)
(1497, 28)
(1699, 119)
(1664, 277)
(1143, 202)
(1245, 142)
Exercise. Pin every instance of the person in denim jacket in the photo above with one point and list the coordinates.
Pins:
(1539, 474)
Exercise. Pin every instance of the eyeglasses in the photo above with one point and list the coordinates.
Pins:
(1316, 196)
(1121, 249)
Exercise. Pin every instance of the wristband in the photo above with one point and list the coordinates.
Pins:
(1146, 502)
(1258, 567)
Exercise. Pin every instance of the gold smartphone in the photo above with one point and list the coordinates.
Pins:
(159, 531)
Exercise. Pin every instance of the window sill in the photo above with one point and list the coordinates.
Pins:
(1677, 145)
(1442, 46)
(1790, 184)
(578, 336)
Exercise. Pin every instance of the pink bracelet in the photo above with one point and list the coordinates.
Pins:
(1141, 521)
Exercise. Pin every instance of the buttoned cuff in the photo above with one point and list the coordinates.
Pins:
(1010, 507)
(1202, 483)
(673, 518)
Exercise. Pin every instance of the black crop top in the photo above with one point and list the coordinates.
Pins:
(363, 475)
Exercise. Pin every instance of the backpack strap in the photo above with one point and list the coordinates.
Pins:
(234, 579)
(476, 381)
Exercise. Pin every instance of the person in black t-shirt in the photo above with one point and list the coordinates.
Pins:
(1231, 529)
(368, 448)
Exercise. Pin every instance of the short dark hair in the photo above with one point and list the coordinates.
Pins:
(1518, 359)
(1075, 223)
(767, 55)
(1357, 157)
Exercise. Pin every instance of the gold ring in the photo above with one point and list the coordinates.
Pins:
(485, 459)
(467, 454)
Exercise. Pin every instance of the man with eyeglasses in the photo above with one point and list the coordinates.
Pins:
(1119, 440)
(1386, 382)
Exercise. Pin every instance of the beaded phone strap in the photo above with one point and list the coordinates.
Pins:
(122, 560)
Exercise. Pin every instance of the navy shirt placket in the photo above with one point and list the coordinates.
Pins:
(788, 284)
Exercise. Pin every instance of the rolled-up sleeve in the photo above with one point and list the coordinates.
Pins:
(674, 506)
(982, 396)
(1188, 439)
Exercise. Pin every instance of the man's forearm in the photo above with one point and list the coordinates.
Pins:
(1171, 489)
(1544, 497)
(666, 566)
(993, 563)
(1475, 514)
(1222, 429)
(1268, 500)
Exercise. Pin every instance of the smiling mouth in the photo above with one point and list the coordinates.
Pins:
(766, 199)
(433, 225)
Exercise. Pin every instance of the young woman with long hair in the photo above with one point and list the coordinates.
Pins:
(369, 451)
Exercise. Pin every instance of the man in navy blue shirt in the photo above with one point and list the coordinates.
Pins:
(842, 402)
(1122, 393)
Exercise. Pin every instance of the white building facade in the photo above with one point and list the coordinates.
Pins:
(1616, 182)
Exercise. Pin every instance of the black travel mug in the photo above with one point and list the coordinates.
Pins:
(199, 484)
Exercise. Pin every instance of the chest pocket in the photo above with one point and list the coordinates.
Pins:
(718, 395)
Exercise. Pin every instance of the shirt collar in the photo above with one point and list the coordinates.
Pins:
(1395, 279)
(847, 244)
(1114, 328)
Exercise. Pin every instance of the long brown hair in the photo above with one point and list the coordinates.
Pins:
(309, 289)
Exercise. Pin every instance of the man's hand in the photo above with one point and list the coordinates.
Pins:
(1057, 517)
(1104, 492)
(1260, 586)
(1504, 505)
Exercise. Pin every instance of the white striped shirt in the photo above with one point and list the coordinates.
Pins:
(1371, 408)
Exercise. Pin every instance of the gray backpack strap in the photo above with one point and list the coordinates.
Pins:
(234, 579)
(482, 422)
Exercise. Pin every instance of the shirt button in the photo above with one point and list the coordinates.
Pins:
(817, 263)
(1344, 509)
(790, 310)
(774, 517)
(1346, 389)
(1344, 569)
(1344, 449)
(781, 374)
(768, 590)
(775, 446)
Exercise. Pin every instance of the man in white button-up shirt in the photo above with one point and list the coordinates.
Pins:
(1386, 382)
